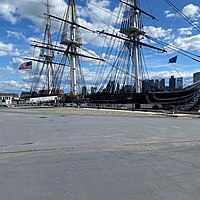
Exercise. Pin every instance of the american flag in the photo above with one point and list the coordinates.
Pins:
(26, 65)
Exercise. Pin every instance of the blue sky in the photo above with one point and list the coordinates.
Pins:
(20, 25)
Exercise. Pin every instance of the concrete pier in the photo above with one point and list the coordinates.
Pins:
(103, 156)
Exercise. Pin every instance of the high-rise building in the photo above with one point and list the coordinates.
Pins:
(196, 77)
(162, 84)
(92, 90)
(84, 90)
(179, 83)
(152, 85)
(157, 85)
(172, 83)
(148, 85)
(145, 85)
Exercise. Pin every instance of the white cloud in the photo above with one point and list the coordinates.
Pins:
(32, 9)
(191, 11)
(90, 53)
(17, 61)
(16, 35)
(13, 86)
(185, 31)
(157, 32)
(28, 79)
(8, 49)
(8, 70)
(191, 43)
(9, 12)
(169, 14)
(99, 14)
(12, 83)
(13, 11)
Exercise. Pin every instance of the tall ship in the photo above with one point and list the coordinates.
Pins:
(119, 77)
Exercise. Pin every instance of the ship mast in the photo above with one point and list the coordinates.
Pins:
(49, 54)
(70, 48)
(46, 58)
(73, 49)
(73, 43)
(130, 27)
(136, 47)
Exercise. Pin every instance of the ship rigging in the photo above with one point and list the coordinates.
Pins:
(116, 82)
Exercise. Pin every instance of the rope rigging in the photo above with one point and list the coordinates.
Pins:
(121, 70)
(191, 22)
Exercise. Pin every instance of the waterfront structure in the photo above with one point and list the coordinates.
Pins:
(6, 99)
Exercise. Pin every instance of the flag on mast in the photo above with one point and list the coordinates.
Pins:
(173, 60)
(26, 65)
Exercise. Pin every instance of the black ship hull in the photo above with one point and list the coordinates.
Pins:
(185, 99)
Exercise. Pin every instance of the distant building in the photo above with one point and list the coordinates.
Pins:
(84, 90)
(162, 84)
(128, 88)
(157, 85)
(196, 77)
(110, 86)
(145, 86)
(92, 90)
(179, 83)
(148, 85)
(7, 98)
(172, 83)
(152, 85)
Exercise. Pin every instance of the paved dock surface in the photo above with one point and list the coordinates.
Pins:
(57, 155)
